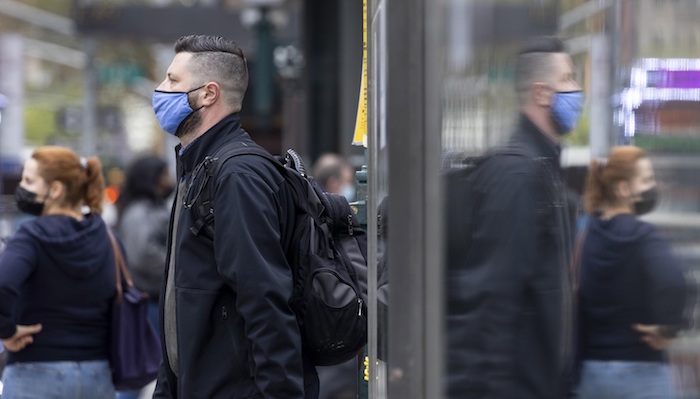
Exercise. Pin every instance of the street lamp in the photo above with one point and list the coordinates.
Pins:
(257, 16)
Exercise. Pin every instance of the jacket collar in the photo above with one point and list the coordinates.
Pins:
(226, 129)
(529, 136)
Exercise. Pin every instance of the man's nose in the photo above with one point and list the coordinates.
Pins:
(161, 85)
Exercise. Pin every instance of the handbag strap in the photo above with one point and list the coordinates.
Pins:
(576, 258)
(120, 269)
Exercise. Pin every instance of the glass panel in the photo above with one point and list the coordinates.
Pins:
(637, 62)
(658, 111)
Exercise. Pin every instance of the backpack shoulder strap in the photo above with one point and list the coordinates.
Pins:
(544, 172)
(539, 161)
(200, 193)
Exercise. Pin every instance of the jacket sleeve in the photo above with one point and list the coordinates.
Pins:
(251, 260)
(17, 262)
(505, 242)
(668, 287)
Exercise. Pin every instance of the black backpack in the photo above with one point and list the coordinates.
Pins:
(328, 254)
(461, 202)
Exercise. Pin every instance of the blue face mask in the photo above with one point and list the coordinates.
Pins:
(171, 108)
(566, 110)
(348, 191)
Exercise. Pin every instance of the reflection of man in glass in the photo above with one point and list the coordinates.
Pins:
(509, 296)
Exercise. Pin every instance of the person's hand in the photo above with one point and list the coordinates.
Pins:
(23, 337)
(653, 336)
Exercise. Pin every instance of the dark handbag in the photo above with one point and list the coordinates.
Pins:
(135, 352)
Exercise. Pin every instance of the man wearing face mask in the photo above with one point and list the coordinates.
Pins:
(335, 174)
(228, 330)
(509, 304)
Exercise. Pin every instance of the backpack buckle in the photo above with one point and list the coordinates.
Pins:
(189, 198)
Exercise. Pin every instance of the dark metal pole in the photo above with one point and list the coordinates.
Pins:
(89, 144)
(264, 72)
(616, 32)
(414, 233)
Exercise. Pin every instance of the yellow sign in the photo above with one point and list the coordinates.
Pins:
(360, 137)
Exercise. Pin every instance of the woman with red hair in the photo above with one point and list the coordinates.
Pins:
(57, 282)
(632, 292)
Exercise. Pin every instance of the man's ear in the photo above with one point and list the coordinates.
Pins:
(541, 94)
(211, 93)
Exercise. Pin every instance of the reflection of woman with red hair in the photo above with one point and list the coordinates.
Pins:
(632, 292)
(57, 283)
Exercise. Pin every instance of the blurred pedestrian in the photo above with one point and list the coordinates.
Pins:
(632, 291)
(57, 283)
(115, 179)
(143, 216)
(335, 174)
(228, 328)
(509, 320)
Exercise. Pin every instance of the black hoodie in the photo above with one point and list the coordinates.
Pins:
(628, 276)
(59, 272)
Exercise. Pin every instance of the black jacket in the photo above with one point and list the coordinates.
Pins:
(509, 298)
(237, 336)
(628, 276)
(59, 272)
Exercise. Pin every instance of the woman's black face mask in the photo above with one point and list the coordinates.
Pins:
(26, 202)
(647, 201)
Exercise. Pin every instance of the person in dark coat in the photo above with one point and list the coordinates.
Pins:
(509, 304)
(57, 282)
(143, 212)
(632, 291)
(228, 328)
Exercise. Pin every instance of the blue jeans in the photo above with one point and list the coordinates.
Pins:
(58, 380)
(625, 380)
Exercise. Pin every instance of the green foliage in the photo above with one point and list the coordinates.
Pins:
(39, 124)
(667, 143)
(580, 135)
(60, 7)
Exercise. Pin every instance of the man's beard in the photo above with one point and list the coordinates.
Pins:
(190, 124)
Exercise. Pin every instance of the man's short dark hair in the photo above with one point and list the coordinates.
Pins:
(534, 62)
(544, 44)
(218, 59)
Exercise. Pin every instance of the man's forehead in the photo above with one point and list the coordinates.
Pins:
(563, 62)
(179, 64)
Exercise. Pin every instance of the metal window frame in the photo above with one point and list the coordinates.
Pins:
(413, 125)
